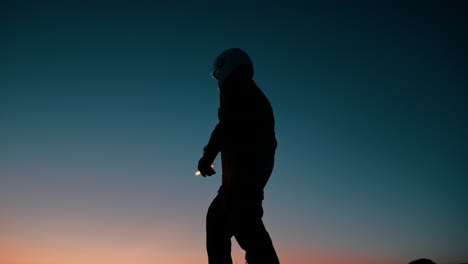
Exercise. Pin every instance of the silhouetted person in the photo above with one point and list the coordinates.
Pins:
(245, 137)
(422, 261)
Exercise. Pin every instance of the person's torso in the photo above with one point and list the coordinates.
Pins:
(248, 118)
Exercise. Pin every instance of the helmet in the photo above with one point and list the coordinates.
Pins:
(228, 61)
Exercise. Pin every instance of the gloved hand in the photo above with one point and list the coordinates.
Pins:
(204, 165)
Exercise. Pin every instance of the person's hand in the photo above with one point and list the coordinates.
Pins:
(204, 166)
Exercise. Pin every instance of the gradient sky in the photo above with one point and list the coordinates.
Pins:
(105, 107)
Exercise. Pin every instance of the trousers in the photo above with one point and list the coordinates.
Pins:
(242, 219)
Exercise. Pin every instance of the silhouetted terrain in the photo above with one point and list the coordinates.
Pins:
(426, 261)
(422, 261)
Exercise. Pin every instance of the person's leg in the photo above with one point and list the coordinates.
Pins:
(218, 234)
(252, 236)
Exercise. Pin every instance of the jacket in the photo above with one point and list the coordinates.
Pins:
(245, 136)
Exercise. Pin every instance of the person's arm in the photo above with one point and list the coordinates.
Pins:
(215, 142)
(210, 151)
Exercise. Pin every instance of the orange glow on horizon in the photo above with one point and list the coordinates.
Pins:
(147, 251)
(94, 237)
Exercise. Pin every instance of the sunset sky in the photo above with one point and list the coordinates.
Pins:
(105, 107)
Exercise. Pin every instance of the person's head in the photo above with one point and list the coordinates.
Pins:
(232, 64)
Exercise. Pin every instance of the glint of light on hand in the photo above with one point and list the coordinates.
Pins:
(198, 172)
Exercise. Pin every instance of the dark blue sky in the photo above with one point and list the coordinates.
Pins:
(107, 104)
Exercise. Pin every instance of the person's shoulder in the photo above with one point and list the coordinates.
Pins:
(253, 87)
